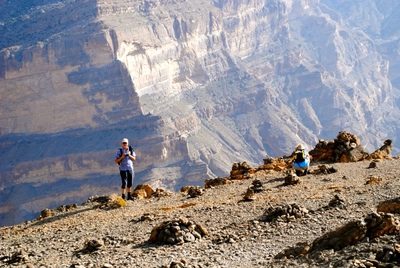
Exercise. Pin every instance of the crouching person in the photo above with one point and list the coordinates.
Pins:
(301, 160)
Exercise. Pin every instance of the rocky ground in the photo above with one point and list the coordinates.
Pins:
(220, 228)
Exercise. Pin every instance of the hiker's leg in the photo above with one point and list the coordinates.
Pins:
(124, 176)
(129, 185)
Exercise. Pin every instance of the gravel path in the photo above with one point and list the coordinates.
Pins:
(239, 232)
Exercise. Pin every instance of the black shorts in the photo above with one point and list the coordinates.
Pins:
(126, 178)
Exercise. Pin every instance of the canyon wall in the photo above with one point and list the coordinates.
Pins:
(194, 85)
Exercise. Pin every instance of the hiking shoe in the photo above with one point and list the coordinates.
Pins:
(129, 197)
(123, 196)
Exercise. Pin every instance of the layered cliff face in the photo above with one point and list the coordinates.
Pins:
(195, 85)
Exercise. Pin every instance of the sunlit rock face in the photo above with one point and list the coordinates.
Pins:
(194, 85)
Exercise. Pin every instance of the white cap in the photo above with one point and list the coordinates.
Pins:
(125, 140)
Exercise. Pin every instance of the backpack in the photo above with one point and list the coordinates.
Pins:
(300, 156)
(120, 153)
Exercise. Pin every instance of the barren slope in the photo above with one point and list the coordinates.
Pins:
(237, 236)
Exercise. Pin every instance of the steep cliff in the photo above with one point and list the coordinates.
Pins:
(195, 85)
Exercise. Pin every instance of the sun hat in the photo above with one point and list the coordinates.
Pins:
(300, 147)
(125, 140)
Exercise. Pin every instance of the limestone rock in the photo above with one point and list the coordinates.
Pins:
(210, 183)
(384, 151)
(389, 206)
(17, 258)
(92, 245)
(372, 164)
(373, 180)
(56, 211)
(323, 169)
(276, 164)
(241, 171)
(257, 186)
(139, 194)
(249, 195)
(177, 232)
(46, 213)
(147, 188)
(284, 212)
(374, 225)
(195, 191)
(142, 191)
(292, 179)
(161, 192)
(337, 201)
(345, 148)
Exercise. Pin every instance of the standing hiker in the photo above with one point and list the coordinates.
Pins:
(124, 158)
(301, 160)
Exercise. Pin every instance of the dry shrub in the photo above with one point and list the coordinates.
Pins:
(118, 202)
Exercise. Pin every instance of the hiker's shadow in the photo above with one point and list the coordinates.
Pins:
(59, 217)
(275, 180)
(151, 245)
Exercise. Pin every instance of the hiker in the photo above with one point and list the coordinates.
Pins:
(125, 157)
(301, 160)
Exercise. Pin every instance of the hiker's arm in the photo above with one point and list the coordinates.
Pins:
(119, 159)
(133, 158)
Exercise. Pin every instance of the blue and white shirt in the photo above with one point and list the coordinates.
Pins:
(126, 163)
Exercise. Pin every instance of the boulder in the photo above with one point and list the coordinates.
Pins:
(92, 245)
(177, 232)
(195, 191)
(149, 191)
(276, 164)
(390, 206)
(345, 148)
(383, 152)
(210, 183)
(284, 212)
(161, 192)
(292, 179)
(140, 194)
(337, 202)
(323, 169)
(249, 195)
(373, 180)
(374, 225)
(241, 171)
(192, 191)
